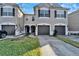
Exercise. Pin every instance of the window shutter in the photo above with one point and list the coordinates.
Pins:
(64, 14)
(13, 11)
(33, 19)
(55, 13)
(49, 13)
(38, 13)
(1, 11)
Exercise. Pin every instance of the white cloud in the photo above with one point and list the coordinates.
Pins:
(72, 6)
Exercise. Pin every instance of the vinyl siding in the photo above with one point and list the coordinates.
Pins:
(73, 22)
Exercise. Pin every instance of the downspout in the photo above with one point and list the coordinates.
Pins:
(23, 23)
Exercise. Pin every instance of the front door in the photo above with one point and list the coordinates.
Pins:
(27, 30)
(33, 30)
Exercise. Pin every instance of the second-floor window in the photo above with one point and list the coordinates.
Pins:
(60, 14)
(6, 11)
(44, 13)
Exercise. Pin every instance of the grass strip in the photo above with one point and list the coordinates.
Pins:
(69, 41)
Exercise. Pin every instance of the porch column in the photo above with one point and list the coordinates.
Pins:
(0, 27)
(17, 32)
(29, 29)
(66, 31)
(36, 31)
(51, 30)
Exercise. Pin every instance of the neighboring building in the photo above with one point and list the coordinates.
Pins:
(73, 22)
(11, 18)
(47, 17)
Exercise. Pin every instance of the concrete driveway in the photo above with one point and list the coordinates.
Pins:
(60, 48)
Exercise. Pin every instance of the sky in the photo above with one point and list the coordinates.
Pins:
(27, 8)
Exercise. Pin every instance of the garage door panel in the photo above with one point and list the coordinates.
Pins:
(43, 30)
(60, 30)
(10, 29)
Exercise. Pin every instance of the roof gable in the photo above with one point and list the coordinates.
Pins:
(43, 5)
(50, 5)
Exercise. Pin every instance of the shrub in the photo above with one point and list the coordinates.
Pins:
(55, 33)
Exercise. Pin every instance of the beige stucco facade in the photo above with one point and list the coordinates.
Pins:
(20, 20)
(51, 21)
(16, 20)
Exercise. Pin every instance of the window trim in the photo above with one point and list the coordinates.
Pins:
(44, 14)
(56, 15)
(8, 15)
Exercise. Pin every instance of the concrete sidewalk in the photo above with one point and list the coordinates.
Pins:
(46, 49)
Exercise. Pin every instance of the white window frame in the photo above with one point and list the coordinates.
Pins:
(60, 13)
(44, 13)
(4, 7)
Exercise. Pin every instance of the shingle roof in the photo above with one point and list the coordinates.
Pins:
(51, 5)
(74, 12)
(55, 5)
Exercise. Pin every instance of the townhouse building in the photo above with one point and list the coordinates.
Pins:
(11, 18)
(46, 18)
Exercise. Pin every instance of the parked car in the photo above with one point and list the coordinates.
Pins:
(3, 34)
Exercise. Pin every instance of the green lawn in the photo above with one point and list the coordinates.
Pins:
(67, 40)
(24, 46)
